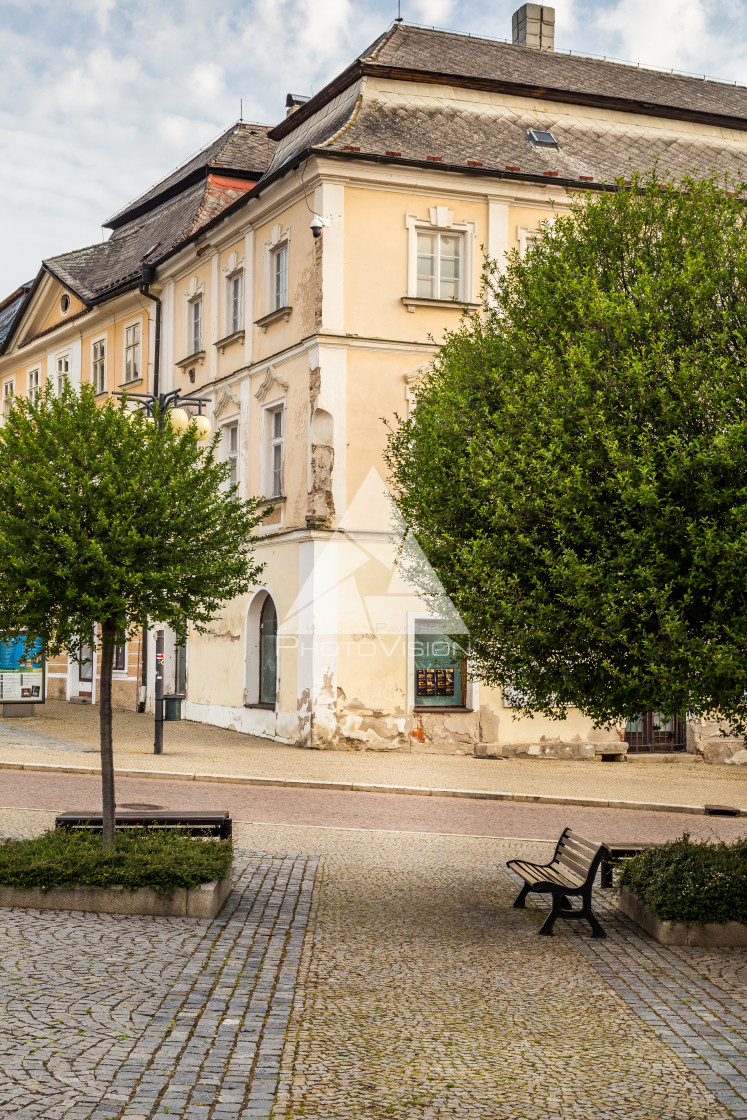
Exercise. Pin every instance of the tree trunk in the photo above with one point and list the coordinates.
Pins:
(108, 638)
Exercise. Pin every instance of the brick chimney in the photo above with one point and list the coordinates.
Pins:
(533, 25)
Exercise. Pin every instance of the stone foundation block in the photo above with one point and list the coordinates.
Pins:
(713, 935)
(203, 901)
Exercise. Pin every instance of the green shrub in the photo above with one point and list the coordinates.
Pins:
(689, 881)
(162, 860)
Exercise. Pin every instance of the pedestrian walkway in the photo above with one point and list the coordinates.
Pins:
(67, 735)
(361, 976)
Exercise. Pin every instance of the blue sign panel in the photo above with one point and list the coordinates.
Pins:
(21, 674)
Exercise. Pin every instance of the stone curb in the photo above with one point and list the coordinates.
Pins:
(203, 901)
(365, 787)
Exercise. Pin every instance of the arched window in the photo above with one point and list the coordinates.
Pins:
(268, 652)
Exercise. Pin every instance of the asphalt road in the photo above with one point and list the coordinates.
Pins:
(377, 811)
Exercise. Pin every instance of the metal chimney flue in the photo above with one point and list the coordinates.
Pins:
(533, 25)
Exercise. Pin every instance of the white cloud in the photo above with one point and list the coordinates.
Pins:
(102, 98)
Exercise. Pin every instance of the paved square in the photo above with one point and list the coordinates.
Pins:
(385, 976)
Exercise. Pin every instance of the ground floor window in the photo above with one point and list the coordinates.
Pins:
(440, 668)
(85, 661)
(652, 732)
(268, 653)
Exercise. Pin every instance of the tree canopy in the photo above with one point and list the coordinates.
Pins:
(108, 520)
(575, 468)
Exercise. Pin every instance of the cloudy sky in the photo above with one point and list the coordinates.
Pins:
(101, 98)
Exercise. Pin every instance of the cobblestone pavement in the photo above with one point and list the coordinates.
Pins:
(416, 992)
(109, 1017)
(423, 995)
(343, 809)
(68, 734)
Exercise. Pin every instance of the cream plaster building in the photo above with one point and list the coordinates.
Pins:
(305, 275)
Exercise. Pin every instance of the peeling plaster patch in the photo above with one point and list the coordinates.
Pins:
(223, 636)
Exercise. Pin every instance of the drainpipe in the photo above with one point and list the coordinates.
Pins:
(147, 276)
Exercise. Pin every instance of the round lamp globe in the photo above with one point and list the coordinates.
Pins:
(179, 419)
(202, 426)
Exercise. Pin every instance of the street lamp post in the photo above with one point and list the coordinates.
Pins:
(172, 408)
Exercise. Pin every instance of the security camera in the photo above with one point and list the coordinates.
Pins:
(316, 225)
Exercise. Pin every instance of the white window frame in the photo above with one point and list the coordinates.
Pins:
(230, 433)
(279, 241)
(136, 344)
(440, 220)
(62, 366)
(235, 314)
(9, 391)
(102, 341)
(195, 345)
(271, 441)
(33, 383)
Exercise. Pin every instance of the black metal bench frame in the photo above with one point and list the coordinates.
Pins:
(196, 823)
(570, 872)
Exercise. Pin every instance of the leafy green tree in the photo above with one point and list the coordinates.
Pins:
(575, 469)
(107, 520)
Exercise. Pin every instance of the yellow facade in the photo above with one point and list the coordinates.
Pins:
(306, 346)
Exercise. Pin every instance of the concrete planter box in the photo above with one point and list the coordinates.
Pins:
(713, 935)
(205, 901)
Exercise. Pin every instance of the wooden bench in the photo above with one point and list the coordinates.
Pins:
(196, 823)
(571, 872)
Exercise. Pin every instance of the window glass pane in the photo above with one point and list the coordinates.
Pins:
(277, 423)
(450, 265)
(281, 277)
(268, 645)
(426, 265)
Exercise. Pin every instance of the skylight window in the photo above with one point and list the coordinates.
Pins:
(542, 139)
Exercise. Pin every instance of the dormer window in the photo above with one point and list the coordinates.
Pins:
(542, 139)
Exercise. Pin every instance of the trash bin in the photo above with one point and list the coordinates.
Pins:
(172, 708)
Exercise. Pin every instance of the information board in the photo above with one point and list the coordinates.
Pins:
(21, 675)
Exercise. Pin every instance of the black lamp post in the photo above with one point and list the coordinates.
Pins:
(163, 408)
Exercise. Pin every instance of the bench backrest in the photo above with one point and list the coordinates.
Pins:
(578, 855)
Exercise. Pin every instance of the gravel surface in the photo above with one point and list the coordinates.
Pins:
(68, 734)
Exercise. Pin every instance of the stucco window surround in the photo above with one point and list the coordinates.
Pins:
(132, 350)
(33, 377)
(234, 293)
(194, 324)
(412, 380)
(276, 277)
(273, 449)
(452, 245)
(230, 449)
(527, 236)
(99, 362)
(62, 367)
(415, 621)
(262, 664)
(9, 389)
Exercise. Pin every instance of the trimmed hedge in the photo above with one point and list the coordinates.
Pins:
(162, 860)
(691, 882)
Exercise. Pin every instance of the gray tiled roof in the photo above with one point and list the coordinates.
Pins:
(241, 148)
(496, 137)
(440, 52)
(10, 308)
